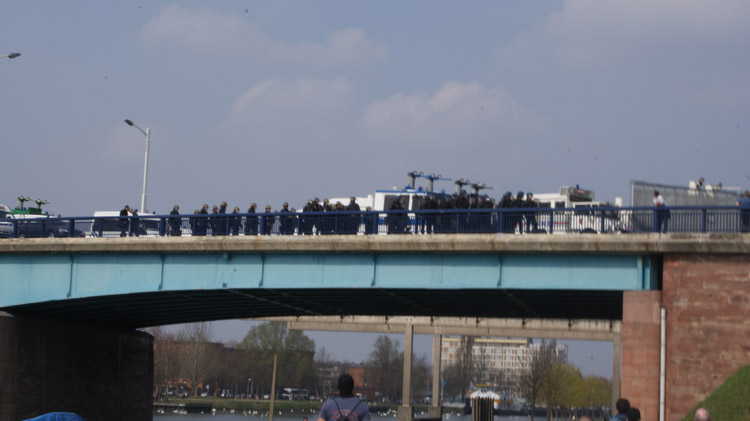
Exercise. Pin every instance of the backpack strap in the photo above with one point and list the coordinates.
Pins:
(339, 409)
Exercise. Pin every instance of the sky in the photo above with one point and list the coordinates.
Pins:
(273, 101)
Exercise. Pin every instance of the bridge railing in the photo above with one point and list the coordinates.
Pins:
(422, 222)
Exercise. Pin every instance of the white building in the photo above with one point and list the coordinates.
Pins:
(496, 361)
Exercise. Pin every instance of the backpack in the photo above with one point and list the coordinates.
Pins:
(343, 417)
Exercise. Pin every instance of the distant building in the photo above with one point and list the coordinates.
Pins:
(496, 361)
(329, 375)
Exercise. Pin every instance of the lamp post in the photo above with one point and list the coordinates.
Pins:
(11, 55)
(146, 133)
(247, 395)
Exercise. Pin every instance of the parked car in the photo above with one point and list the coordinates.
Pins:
(6, 227)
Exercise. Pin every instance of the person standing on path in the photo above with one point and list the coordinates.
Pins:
(345, 407)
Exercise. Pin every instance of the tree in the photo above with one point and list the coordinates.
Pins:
(197, 353)
(557, 390)
(458, 376)
(166, 354)
(574, 393)
(421, 375)
(385, 367)
(598, 392)
(294, 351)
(539, 369)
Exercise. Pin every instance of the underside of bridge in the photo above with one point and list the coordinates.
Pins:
(170, 307)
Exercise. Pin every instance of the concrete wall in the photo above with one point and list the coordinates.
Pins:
(46, 366)
(707, 298)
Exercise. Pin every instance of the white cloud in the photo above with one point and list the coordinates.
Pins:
(596, 35)
(455, 112)
(297, 110)
(211, 33)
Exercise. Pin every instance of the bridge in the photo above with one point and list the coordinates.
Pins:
(94, 292)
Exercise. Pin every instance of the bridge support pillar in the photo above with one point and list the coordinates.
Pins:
(436, 408)
(641, 336)
(47, 366)
(406, 411)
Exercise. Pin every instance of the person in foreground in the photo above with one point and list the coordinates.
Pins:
(345, 407)
(701, 414)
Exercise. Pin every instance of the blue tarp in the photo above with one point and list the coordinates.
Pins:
(58, 416)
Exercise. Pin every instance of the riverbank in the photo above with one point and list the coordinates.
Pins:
(281, 407)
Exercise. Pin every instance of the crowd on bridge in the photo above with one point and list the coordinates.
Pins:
(442, 214)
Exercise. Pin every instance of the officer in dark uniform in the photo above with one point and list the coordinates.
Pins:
(531, 205)
(175, 222)
(518, 205)
(124, 223)
(353, 220)
(428, 218)
(268, 221)
(235, 221)
(251, 222)
(286, 226)
(201, 223)
(222, 220)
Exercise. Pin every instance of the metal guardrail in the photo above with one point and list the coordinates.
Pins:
(422, 222)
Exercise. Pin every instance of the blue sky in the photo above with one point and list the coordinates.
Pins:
(273, 101)
(281, 101)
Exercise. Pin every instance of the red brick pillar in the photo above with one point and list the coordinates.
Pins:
(48, 366)
(707, 298)
(640, 351)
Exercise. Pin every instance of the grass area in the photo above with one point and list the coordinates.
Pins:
(309, 409)
(730, 401)
(304, 408)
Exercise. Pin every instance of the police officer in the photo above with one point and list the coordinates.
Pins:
(251, 222)
(175, 223)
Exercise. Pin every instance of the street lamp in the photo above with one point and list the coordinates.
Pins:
(247, 395)
(11, 55)
(146, 133)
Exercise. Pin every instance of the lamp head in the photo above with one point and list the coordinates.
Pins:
(14, 55)
(128, 122)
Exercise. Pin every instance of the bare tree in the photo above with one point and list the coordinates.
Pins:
(482, 370)
(458, 375)
(165, 359)
(197, 356)
(421, 375)
(538, 370)
(385, 367)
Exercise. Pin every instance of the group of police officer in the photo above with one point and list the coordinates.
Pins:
(524, 218)
(219, 222)
(313, 218)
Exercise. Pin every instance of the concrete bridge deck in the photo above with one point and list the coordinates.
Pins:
(724, 243)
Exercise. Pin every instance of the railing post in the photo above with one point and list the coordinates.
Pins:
(656, 227)
(601, 224)
(262, 225)
(704, 217)
(161, 227)
(458, 222)
(71, 227)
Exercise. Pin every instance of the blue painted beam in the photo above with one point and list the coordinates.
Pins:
(36, 278)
